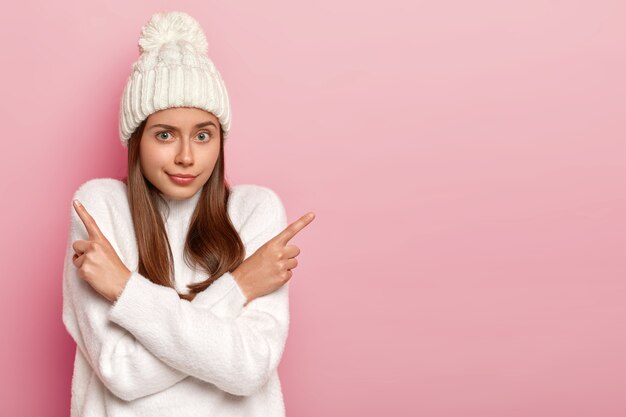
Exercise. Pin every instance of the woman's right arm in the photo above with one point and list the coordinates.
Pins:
(239, 354)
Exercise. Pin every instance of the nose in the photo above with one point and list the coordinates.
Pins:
(184, 156)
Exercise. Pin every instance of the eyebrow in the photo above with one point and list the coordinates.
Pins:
(209, 123)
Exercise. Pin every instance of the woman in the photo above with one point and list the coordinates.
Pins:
(175, 285)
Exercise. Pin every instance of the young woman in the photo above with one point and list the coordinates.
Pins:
(175, 284)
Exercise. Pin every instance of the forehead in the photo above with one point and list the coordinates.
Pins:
(182, 116)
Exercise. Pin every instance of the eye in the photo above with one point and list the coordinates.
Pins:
(207, 136)
(158, 135)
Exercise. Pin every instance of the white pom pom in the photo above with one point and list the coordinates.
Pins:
(166, 27)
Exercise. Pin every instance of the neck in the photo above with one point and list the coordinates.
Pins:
(180, 209)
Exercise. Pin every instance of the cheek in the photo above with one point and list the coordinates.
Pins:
(209, 159)
(152, 157)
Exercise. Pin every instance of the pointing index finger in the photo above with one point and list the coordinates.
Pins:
(90, 224)
(291, 230)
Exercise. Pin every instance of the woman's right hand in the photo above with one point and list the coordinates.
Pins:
(269, 268)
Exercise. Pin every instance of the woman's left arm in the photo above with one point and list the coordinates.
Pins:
(124, 365)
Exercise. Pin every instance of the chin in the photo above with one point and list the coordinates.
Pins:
(181, 194)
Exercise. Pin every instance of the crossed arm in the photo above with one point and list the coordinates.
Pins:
(150, 339)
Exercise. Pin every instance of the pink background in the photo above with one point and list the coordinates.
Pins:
(465, 161)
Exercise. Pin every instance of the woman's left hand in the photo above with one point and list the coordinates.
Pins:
(97, 262)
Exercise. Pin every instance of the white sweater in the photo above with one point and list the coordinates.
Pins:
(151, 353)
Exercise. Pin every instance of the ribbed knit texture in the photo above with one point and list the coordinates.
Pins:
(173, 70)
(151, 353)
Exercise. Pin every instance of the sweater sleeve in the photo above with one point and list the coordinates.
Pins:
(238, 354)
(124, 365)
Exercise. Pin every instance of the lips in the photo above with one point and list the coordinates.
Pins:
(182, 180)
(183, 175)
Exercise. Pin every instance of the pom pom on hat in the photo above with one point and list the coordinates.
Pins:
(172, 27)
(173, 70)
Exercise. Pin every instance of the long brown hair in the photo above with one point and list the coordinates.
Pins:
(212, 242)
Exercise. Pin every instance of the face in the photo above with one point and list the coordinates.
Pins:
(183, 141)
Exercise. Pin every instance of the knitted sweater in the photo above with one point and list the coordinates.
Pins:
(151, 353)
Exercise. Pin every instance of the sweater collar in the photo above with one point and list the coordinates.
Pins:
(180, 209)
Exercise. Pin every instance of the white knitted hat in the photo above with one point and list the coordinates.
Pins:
(173, 70)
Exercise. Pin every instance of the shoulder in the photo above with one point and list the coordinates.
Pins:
(101, 185)
(258, 201)
(102, 193)
(253, 194)
(98, 187)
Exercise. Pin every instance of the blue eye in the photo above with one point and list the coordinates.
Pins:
(208, 136)
(160, 133)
